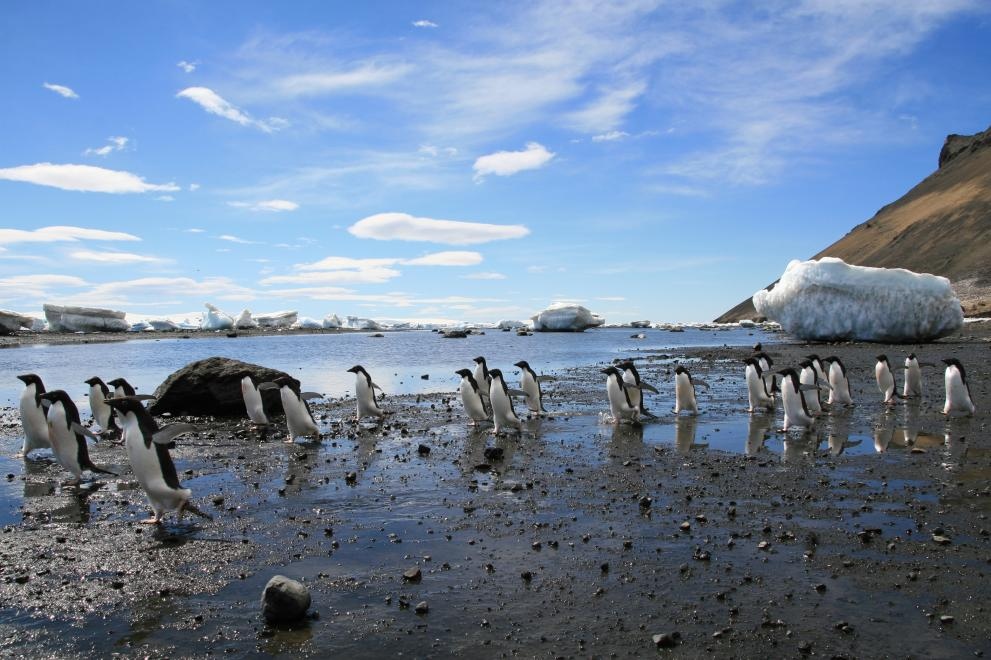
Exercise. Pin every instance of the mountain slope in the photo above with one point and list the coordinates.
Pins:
(941, 226)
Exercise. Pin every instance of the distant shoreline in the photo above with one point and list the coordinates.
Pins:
(67, 338)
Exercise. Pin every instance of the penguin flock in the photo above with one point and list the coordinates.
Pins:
(50, 419)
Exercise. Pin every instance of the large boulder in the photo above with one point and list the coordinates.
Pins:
(213, 387)
(85, 319)
(565, 317)
(284, 600)
(830, 300)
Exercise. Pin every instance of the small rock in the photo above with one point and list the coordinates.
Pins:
(493, 453)
(284, 600)
(422, 607)
(412, 574)
(940, 539)
(423, 450)
(667, 640)
(946, 618)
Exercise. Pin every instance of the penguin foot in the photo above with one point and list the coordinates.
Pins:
(154, 520)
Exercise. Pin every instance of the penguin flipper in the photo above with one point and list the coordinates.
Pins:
(702, 383)
(648, 387)
(93, 468)
(307, 396)
(82, 430)
(516, 393)
(169, 433)
(376, 387)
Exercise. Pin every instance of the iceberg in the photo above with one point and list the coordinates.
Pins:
(163, 325)
(214, 319)
(84, 319)
(332, 321)
(565, 317)
(140, 326)
(830, 300)
(244, 320)
(12, 322)
(510, 325)
(306, 323)
(277, 319)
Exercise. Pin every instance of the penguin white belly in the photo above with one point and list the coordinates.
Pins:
(34, 422)
(502, 409)
(885, 381)
(913, 380)
(684, 395)
(807, 377)
(794, 410)
(531, 388)
(619, 407)
(635, 394)
(63, 439)
(957, 396)
(101, 411)
(253, 402)
(756, 393)
(367, 406)
(472, 402)
(298, 418)
(840, 387)
(148, 471)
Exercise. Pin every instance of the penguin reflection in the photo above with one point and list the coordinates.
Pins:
(758, 430)
(684, 434)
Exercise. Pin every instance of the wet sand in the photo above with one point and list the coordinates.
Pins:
(584, 539)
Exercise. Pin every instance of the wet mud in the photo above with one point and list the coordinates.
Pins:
(866, 537)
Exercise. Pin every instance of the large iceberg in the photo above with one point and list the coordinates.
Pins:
(565, 317)
(332, 321)
(277, 319)
(244, 321)
(829, 300)
(85, 319)
(307, 323)
(12, 322)
(214, 319)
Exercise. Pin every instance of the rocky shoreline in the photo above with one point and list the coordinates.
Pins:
(715, 536)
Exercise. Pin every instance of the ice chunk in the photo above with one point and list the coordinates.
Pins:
(829, 300)
(565, 317)
(214, 319)
(306, 323)
(163, 325)
(277, 319)
(510, 325)
(84, 319)
(12, 321)
(332, 321)
(244, 320)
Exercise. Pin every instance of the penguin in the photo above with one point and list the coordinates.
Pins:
(148, 451)
(482, 375)
(759, 391)
(763, 359)
(684, 391)
(809, 376)
(885, 379)
(365, 393)
(636, 387)
(121, 387)
(530, 384)
(502, 404)
(472, 398)
(913, 377)
(68, 436)
(102, 413)
(958, 399)
(621, 398)
(253, 399)
(817, 364)
(839, 384)
(33, 417)
(299, 419)
(793, 400)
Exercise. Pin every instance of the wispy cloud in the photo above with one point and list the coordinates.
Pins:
(611, 136)
(59, 233)
(114, 143)
(369, 275)
(405, 227)
(269, 205)
(85, 178)
(188, 67)
(112, 257)
(230, 238)
(319, 83)
(424, 23)
(607, 111)
(213, 103)
(507, 163)
(61, 90)
(484, 276)
(451, 258)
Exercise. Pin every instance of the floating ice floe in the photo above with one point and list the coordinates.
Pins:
(277, 319)
(306, 323)
(332, 321)
(84, 319)
(214, 319)
(829, 300)
(565, 317)
(244, 320)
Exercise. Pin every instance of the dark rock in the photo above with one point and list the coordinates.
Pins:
(284, 600)
(423, 450)
(454, 334)
(422, 607)
(956, 145)
(667, 640)
(412, 574)
(213, 387)
(494, 453)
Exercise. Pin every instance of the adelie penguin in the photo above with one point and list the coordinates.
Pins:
(793, 400)
(760, 386)
(482, 376)
(958, 399)
(530, 384)
(121, 388)
(33, 417)
(632, 378)
(68, 436)
(621, 405)
(102, 413)
(472, 398)
(913, 377)
(763, 359)
(253, 402)
(500, 397)
(364, 390)
(148, 451)
(809, 376)
(885, 378)
(299, 418)
(819, 366)
(839, 384)
(684, 391)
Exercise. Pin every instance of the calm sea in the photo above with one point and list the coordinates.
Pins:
(396, 361)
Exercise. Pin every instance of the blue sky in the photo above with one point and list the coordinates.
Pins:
(649, 160)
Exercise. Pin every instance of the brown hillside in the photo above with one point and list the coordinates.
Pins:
(941, 226)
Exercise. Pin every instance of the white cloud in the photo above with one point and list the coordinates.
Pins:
(404, 227)
(165, 198)
(114, 143)
(424, 23)
(213, 103)
(34, 288)
(610, 136)
(450, 258)
(188, 67)
(324, 82)
(484, 276)
(371, 275)
(62, 90)
(270, 205)
(607, 111)
(55, 234)
(194, 230)
(234, 239)
(344, 263)
(115, 257)
(507, 163)
(85, 178)
(193, 187)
